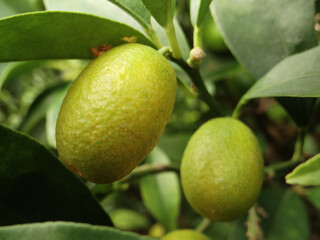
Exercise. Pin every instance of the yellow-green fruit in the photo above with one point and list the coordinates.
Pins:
(222, 169)
(185, 234)
(115, 112)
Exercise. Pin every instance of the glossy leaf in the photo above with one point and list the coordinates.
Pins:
(161, 192)
(307, 173)
(198, 9)
(65, 231)
(36, 187)
(269, 31)
(162, 11)
(39, 35)
(102, 8)
(286, 215)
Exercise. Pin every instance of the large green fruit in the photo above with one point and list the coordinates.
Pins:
(185, 234)
(222, 169)
(115, 112)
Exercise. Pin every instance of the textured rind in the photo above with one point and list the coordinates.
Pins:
(222, 169)
(185, 234)
(115, 112)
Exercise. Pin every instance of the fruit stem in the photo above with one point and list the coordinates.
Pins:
(171, 34)
(146, 169)
(197, 36)
(204, 94)
(237, 111)
(282, 165)
(204, 224)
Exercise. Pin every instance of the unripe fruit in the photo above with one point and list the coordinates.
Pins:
(115, 112)
(185, 234)
(222, 169)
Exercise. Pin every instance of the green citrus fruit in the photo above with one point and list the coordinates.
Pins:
(185, 234)
(115, 112)
(222, 169)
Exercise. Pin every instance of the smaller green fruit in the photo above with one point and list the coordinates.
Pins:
(222, 169)
(185, 234)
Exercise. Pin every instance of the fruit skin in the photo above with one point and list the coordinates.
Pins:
(185, 234)
(222, 169)
(115, 112)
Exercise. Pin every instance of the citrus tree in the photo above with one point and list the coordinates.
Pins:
(187, 119)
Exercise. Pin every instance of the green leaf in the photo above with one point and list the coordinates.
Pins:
(286, 215)
(52, 115)
(65, 231)
(59, 35)
(269, 30)
(296, 76)
(162, 11)
(127, 219)
(198, 9)
(36, 187)
(307, 173)
(102, 8)
(161, 192)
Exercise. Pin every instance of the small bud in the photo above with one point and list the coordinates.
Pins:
(196, 56)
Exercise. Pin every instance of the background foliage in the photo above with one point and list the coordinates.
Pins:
(262, 65)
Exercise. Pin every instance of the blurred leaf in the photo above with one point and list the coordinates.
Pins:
(286, 215)
(10, 7)
(58, 35)
(198, 9)
(39, 107)
(307, 173)
(127, 219)
(16, 69)
(269, 31)
(174, 144)
(52, 115)
(313, 194)
(65, 231)
(36, 187)
(162, 11)
(102, 8)
(161, 192)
